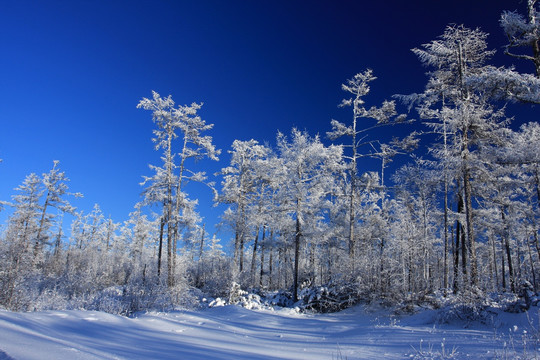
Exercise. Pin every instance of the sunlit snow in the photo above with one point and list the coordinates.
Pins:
(233, 332)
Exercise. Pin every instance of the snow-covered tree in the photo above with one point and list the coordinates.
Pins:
(523, 32)
(240, 181)
(463, 110)
(165, 188)
(27, 209)
(358, 88)
(307, 176)
(416, 216)
(17, 241)
(56, 188)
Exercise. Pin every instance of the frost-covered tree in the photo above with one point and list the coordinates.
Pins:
(175, 124)
(240, 181)
(503, 83)
(358, 88)
(418, 218)
(55, 190)
(143, 231)
(464, 115)
(518, 194)
(306, 175)
(523, 32)
(27, 209)
(95, 228)
(17, 241)
(214, 269)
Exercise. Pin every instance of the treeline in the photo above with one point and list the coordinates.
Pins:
(461, 217)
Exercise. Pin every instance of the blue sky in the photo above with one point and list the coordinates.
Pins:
(72, 73)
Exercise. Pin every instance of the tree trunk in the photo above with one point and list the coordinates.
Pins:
(445, 266)
(532, 266)
(508, 252)
(495, 270)
(460, 233)
(39, 242)
(510, 267)
(254, 256)
(354, 170)
(531, 12)
(161, 226)
(536, 245)
(261, 274)
(503, 272)
(270, 267)
(169, 206)
(170, 270)
(469, 224)
(455, 253)
(199, 262)
(296, 257)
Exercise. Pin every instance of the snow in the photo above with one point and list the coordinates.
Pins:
(234, 332)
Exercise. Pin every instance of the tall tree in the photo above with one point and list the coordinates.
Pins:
(307, 176)
(166, 186)
(238, 189)
(358, 88)
(461, 107)
(27, 209)
(56, 188)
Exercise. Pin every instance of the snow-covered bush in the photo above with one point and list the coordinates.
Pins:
(236, 293)
(51, 299)
(330, 298)
(279, 298)
(252, 300)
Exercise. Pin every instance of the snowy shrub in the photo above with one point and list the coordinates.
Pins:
(525, 299)
(252, 300)
(217, 302)
(213, 276)
(51, 299)
(279, 298)
(186, 297)
(236, 293)
(110, 300)
(329, 298)
(468, 307)
(464, 313)
(414, 302)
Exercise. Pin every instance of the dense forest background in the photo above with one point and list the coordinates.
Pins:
(459, 217)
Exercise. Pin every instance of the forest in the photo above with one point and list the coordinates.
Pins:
(310, 226)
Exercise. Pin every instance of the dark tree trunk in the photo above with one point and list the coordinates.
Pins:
(262, 257)
(508, 252)
(503, 273)
(160, 249)
(254, 257)
(495, 270)
(296, 258)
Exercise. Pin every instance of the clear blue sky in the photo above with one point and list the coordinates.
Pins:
(72, 73)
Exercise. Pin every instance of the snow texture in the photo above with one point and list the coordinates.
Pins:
(233, 332)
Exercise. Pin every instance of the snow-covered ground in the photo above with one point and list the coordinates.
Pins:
(233, 332)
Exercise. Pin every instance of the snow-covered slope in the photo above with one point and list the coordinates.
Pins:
(232, 332)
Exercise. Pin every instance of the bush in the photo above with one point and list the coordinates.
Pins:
(329, 298)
